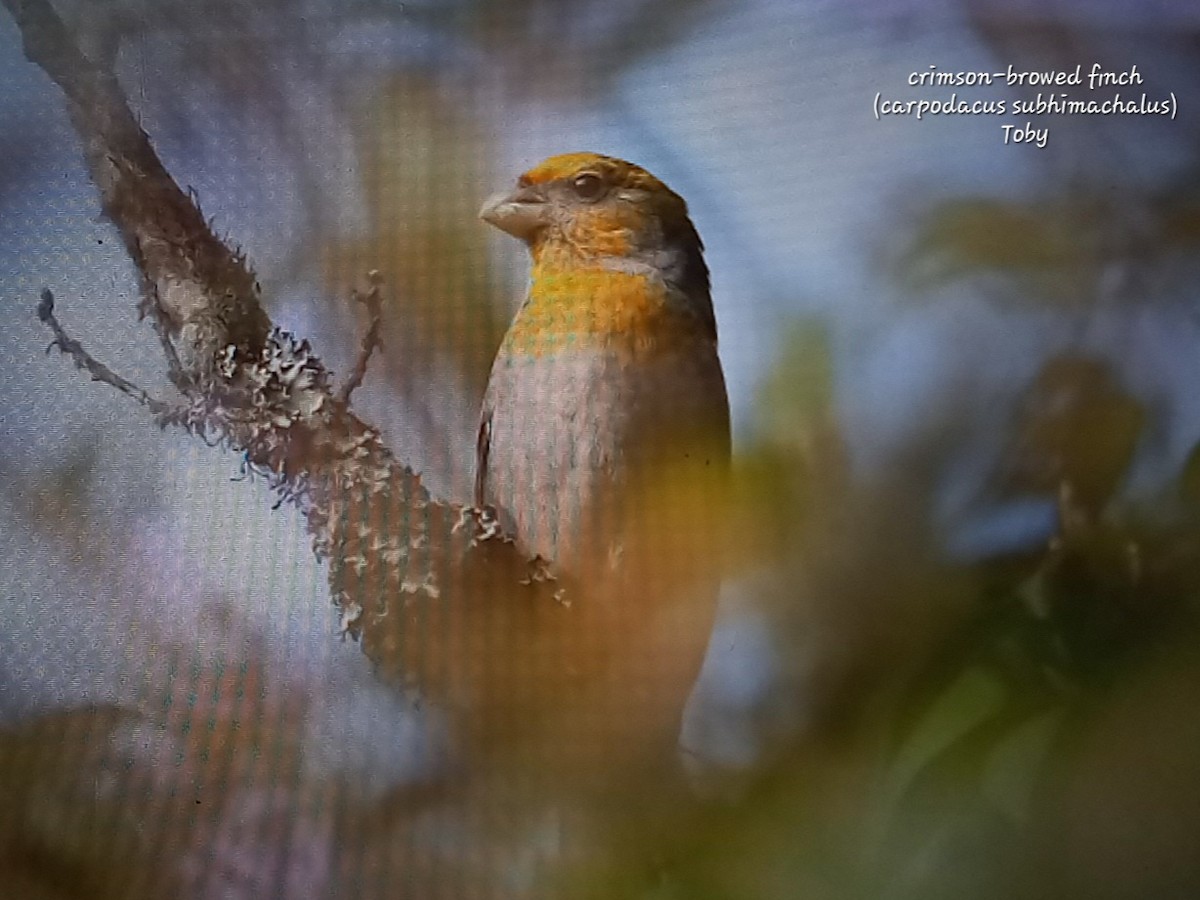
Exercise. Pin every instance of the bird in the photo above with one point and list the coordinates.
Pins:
(604, 445)
(608, 377)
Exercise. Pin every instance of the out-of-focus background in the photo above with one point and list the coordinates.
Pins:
(957, 650)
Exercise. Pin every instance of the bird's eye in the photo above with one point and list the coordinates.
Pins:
(587, 186)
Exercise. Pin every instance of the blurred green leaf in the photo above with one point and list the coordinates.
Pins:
(1077, 427)
(1053, 243)
(796, 399)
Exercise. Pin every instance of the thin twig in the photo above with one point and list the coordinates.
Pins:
(373, 301)
(150, 309)
(84, 360)
(184, 383)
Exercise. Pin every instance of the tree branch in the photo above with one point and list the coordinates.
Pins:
(257, 390)
(373, 301)
(439, 600)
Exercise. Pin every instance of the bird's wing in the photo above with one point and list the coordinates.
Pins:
(483, 446)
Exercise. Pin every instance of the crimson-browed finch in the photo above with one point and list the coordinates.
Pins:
(604, 441)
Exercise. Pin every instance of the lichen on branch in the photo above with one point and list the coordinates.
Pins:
(252, 388)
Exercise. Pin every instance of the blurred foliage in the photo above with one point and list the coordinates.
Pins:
(417, 149)
(1076, 429)
(1052, 247)
(1049, 746)
(796, 399)
(176, 796)
(1066, 251)
(798, 459)
(1000, 741)
(546, 48)
(554, 48)
(61, 835)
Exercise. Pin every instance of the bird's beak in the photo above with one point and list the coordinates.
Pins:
(522, 213)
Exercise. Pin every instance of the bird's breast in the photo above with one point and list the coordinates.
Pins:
(592, 404)
(601, 308)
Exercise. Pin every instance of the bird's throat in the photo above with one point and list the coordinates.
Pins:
(586, 307)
